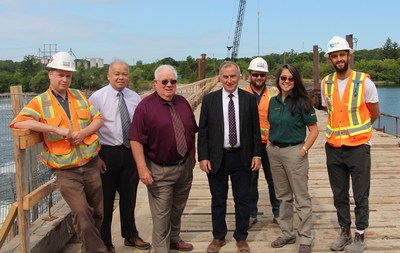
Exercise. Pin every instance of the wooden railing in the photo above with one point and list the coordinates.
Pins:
(24, 140)
(200, 88)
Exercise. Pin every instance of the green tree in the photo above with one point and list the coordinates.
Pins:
(136, 77)
(390, 49)
(29, 67)
(5, 81)
(40, 82)
(169, 61)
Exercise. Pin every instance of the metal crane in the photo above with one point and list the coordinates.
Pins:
(238, 30)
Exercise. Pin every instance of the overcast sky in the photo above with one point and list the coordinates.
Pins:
(150, 30)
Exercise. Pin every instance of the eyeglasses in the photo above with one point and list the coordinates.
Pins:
(165, 82)
(284, 78)
(258, 75)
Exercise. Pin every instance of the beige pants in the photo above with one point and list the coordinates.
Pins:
(290, 174)
(167, 198)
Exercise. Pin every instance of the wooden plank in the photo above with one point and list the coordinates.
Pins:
(38, 194)
(30, 140)
(8, 223)
(26, 137)
(21, 175)
(16, 99)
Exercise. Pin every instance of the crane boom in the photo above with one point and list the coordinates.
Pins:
(238, 30)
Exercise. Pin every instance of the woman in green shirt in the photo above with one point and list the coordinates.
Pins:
(290, 113)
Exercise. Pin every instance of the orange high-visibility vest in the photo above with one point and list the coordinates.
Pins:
(349, 120)
(263, 110)
(57, 152)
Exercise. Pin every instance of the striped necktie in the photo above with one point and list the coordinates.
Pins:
(125, 120)
(181, 146)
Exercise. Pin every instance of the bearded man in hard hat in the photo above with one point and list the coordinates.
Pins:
(68, 123)
(351, 100)
(258, 69)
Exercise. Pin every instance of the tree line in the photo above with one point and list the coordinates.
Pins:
(383, 64)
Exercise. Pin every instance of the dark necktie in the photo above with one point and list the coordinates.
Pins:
(125, 120)
(232, 122)
(179, 130)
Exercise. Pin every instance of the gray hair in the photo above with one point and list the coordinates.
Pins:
(228, 64)
(117, 61)
(162, 67)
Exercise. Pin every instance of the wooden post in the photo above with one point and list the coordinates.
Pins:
(21, 176)
(349, 39)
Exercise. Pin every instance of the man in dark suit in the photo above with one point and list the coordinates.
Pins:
(229, 145)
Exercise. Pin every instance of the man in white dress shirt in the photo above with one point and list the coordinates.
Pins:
(120, 173)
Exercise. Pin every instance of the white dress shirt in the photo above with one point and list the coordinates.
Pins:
(106, 101)
(225, 102)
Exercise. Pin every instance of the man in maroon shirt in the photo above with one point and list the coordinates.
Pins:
(157, 149)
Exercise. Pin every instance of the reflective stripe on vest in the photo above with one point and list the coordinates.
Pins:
(353, 122)
(59, 152)
(263, 110)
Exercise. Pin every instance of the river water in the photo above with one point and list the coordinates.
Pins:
(389, 103)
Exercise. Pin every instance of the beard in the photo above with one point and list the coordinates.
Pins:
(257, 84)
(343, 69)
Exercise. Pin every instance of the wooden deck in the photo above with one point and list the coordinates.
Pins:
(383, 235)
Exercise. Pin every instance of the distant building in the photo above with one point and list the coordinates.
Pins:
(82, 62)
(90, 63)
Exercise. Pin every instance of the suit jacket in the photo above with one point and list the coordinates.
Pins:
(211, 129)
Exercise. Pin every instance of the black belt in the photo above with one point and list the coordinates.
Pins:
(119, 147)
(231, 149)
(180, 162)
(285, 145)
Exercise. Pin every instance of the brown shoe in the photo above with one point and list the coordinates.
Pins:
(215, 245)
(242, 246)
(136, 242)
(181, 246)
(280, 242)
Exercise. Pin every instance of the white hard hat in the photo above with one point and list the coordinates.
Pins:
(337, 44)
(258, 64)
(62, 61)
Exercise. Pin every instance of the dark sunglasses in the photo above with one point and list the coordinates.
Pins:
(284, 78)
(257, 75)
(165, 82)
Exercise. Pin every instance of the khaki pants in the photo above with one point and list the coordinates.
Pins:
(167, 199)
(290, 175)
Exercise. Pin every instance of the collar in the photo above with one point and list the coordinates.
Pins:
(163, 101)
(59, 96)
(225, 94)
(115, 92)
(262, 91)
(279, 96)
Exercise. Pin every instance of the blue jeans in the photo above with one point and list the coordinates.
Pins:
(253, 193)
